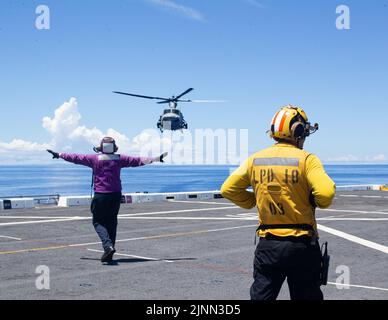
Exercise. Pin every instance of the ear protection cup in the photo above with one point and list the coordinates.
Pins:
(97, 149)
(298, 129)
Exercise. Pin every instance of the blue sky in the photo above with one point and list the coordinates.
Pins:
(258, 55)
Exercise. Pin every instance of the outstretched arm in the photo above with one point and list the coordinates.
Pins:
(85, 160)
(127, 161)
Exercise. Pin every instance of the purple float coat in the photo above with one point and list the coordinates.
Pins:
(106, 168)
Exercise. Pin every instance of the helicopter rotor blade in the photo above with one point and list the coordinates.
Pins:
(140, 96)
(204, 101)
(184, 93)
(162, 102)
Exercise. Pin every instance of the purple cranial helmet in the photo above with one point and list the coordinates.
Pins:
(107, 146)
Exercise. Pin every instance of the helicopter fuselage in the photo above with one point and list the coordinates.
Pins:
(172, 119)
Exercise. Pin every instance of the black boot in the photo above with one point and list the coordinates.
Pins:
(108, 255)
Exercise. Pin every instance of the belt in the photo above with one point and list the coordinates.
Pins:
(305, 227)
(301, 239)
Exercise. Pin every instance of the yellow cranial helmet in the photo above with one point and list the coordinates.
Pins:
(290, 123)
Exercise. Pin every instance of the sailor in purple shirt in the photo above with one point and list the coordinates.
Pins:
(106, 166)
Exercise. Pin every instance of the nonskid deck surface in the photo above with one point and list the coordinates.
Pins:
(182, 250)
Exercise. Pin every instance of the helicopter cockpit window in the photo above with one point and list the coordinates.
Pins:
(174, 111)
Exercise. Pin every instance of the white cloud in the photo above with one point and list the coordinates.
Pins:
(66, 129)
(66, 119)
(92, 136)
(181, 9)
(21, 145)
(122, 141)
(380, 157)
(68, 134)
(20, 151)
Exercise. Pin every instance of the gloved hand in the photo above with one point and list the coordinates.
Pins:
(161, 157)
(55, 154)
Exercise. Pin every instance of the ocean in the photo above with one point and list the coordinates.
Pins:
(68, 179)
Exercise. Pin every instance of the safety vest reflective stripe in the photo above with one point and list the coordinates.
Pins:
(289, 162)
(107, 157)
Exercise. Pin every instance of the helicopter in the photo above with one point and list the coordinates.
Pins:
(172, 118)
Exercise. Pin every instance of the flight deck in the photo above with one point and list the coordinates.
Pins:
(182, 249)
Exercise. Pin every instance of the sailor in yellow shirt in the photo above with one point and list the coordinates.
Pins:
(288, 184)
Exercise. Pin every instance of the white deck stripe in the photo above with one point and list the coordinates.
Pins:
(119, 216)
(356, 286)
(202, 202)
(190, 218)
(163, 236)
(12, 238)
(132, 256)
(178, 211)
(371, 196)
(77, 218)
(123, 216)
(156, 237)
(352, 219)
(355, 239)
(350, 211)
(40, 217)
(40, 221)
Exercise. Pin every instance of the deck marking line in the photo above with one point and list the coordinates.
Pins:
(355, 239)
(352, 219)
(350, 211)
(177, 211)
(41, 217)
(12, 238)
(356, 286)
(189, 218)
(168, 235)
(40, 221)
(132, 256)
(119, 216)
(371, 196)
(201, 202)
